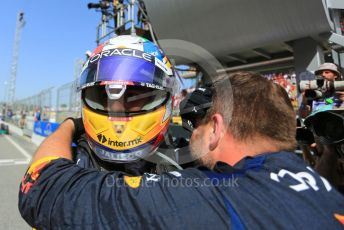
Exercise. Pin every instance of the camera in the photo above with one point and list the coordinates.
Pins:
(315, 89)
(104, 4)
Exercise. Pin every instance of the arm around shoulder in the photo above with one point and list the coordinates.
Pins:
(58, 144)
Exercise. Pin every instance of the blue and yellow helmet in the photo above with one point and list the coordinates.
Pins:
(127, 86)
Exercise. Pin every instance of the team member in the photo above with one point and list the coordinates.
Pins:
(250, 178)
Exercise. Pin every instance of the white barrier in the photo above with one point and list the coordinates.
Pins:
(13, 129)
(37, 139)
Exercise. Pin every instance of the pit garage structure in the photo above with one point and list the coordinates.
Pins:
(264, 35)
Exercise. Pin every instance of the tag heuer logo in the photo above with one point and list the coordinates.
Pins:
(101, 138)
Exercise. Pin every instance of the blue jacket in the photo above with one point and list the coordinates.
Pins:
(270, 191)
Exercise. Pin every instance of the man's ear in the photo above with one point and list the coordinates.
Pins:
(216, 130)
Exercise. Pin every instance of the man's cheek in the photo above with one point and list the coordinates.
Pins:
(196, 136)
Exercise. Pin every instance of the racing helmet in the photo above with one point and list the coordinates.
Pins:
(126, 90)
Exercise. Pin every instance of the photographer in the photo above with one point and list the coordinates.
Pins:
(328, 149)
(326, 87)
(330, 72)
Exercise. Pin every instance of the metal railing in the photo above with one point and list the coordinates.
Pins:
(68, 102)
(23, 113)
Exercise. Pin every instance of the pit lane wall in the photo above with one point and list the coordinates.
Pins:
(40, 130)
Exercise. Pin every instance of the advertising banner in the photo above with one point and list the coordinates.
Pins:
(45, 128)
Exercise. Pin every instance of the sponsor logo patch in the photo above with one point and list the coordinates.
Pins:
(122, 52)
(102, 139)
(133, 181)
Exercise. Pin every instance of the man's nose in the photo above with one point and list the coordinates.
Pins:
(116, 106)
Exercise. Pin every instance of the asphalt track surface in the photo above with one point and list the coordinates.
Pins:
(15, 154)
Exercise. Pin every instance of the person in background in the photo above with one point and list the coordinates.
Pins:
(22, 120)
(37, 115)
(9, 115)
(327, 127)
(329, 72)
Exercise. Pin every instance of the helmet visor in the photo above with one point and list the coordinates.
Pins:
(125, 69)
(123, 100)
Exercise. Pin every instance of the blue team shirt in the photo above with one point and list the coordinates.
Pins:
(270, 191)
